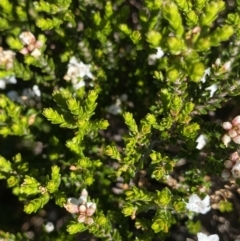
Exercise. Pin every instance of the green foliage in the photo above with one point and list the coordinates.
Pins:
(112, 96)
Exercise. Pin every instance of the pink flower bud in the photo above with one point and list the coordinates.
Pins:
(71, 208)
(73, 168)
(31, 47)
(236, 139)
(228, 164)
(38, 44)
(234, 156)
(226, 126)
(226, 174)
(81, 218)
(232, 133)
(24, 51)
(236, 170)
(196, 30)
(226, 139)
(89, 221)
(82, 209)
(90, 210)
(236, 120)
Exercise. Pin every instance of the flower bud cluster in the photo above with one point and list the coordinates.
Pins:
(82, 208)
(31, 45)
(6, 58)
(233, 131)
(232, 167)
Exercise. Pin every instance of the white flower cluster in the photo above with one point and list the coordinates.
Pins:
(233, 131)
(76, 71)
(82, 208)
(232, 167)
(195, 204)
(31, 45)
(6, 58)
(204, 237)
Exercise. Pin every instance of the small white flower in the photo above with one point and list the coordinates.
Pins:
(202, 141)
(49, 227)
(115, 109)
(213, 88)
(76, 71)
(36, 90)
(227, 66)
(153, 57)
(197, 205)
(204, 237)
(7, 80)
(206, 72)
(27, 38)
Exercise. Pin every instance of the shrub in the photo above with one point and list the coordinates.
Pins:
(111, 116)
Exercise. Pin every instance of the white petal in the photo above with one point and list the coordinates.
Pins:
(206, 201)
(2, 84)
(79, 85)
(202, 141)
(73, 60)
(194, 198)
(213, 88)
(193, 207)
(202, 237)
(208, 71)
(89, 75)
(36, 90)
(213, 237)
(159, 53)
(204, 209)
